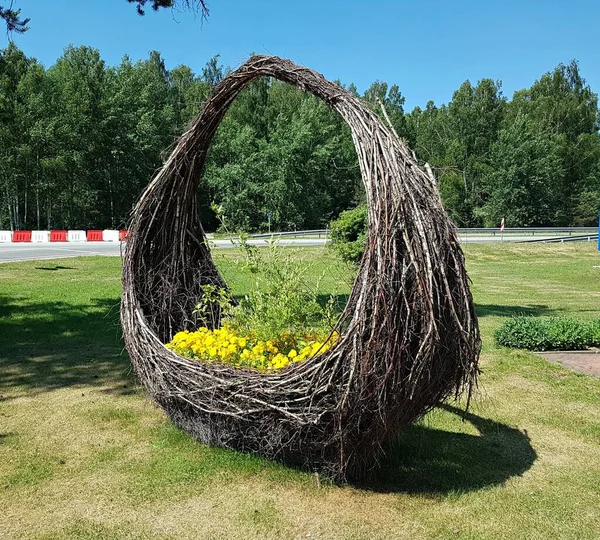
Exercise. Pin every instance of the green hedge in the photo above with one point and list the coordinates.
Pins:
(548, 333)
(349, 233)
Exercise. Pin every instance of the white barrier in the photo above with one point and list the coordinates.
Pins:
(5, 236)
(40, 236)
(76, 236)
(109, 235)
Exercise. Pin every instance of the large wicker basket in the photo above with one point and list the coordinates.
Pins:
(409, 340)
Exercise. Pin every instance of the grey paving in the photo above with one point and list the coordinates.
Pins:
(58, 250)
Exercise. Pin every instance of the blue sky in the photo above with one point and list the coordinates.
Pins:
(427, 47)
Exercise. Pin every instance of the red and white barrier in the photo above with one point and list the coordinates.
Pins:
(76, 236)
(58, 236)
(110, 235)
(93, 235)
(21, 236)
(40, 236)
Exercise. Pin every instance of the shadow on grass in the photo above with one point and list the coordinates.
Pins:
(431, 461)
(51, 345)
(5, 436)
(486, 310)
(55, 268)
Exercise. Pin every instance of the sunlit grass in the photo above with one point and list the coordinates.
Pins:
(85, 455)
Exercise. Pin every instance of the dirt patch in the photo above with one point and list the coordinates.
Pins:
(587, 362)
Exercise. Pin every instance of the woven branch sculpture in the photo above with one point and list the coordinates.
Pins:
(409, 339)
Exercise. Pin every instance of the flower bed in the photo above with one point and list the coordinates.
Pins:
(230, 347)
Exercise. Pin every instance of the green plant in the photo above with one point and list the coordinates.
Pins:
(349, 233)
(522, 333)
(213, 296)
(283, 299)
(594, 332)
(567, 333)
(545, 333)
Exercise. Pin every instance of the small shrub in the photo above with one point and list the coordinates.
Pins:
(546, 333)
(565, 333)
(349, 233)
(594, 331)
(282, 298)
(522, 333)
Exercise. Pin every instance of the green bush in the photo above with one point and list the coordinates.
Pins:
(349, 233)
(565, 333)
(547, 333)
(522, 333)
(282, 298)
(594, 329)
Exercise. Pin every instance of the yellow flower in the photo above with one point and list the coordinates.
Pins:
(227, 346)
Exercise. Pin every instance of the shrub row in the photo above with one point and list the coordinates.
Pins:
(548, 333)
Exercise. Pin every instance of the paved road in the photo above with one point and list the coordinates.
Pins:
(57, 250)
(508, 238)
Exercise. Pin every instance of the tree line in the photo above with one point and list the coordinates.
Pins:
(534, 160)
(80, 140)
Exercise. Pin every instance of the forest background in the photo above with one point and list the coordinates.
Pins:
(80, 140)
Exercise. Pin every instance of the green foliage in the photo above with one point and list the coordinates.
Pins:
(525, 164)
(566, 333)
(547, 333)
(533, 160)
(594, 330)
(456, 140)
(349, 233)
(282, 158)
(522, 333)
(561, 113)
(284, 295)
(212, 296)
(80, 140)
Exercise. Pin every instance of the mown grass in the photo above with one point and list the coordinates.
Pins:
(83, 454)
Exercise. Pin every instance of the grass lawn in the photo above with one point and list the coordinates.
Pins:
(83, 454)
